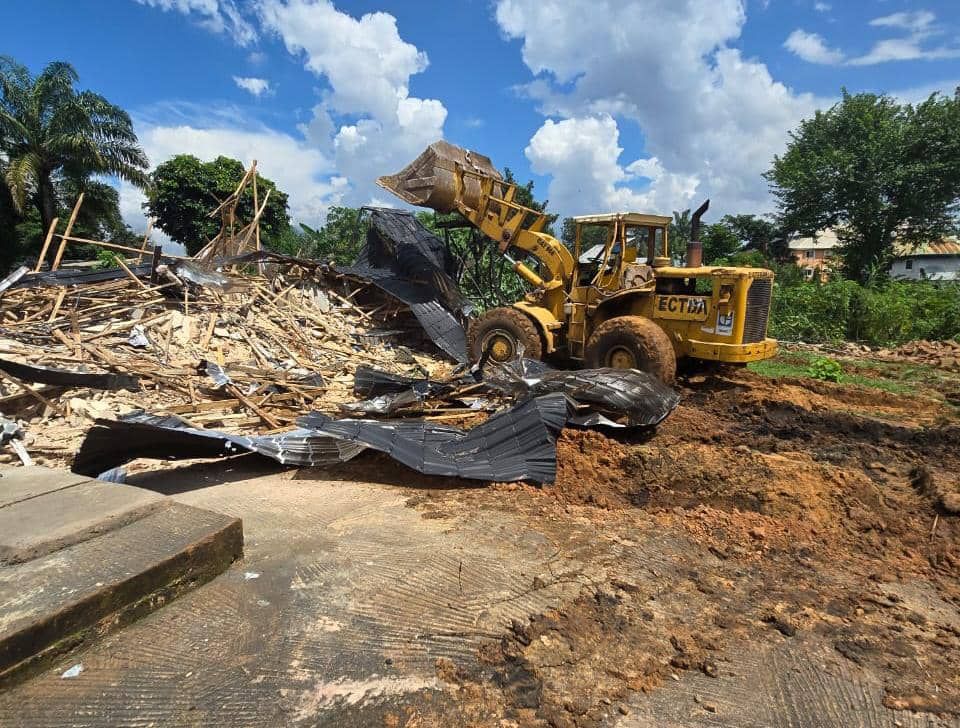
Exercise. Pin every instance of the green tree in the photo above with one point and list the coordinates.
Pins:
(679, 235)
(719, 242)
(184, 191)
(340, 238)
(874, 170)
(51, 133)
(755, 233)
(9, 239)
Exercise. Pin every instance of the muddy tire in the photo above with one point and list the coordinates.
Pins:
(632, 342)
(505, 330)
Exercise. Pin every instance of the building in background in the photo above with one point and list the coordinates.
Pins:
(939, 261)
(815, 254)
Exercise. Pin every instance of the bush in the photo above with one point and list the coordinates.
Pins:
(829, 370)
(812, 311)
(884, 314)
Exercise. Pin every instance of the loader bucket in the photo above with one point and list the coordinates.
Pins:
(428, 181)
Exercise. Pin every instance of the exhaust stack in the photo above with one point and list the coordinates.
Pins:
(695, 247)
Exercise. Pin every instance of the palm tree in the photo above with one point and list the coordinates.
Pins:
(50, 133)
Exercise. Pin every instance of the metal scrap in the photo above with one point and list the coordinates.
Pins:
(410, 263)
(110, 444)
(67, 378)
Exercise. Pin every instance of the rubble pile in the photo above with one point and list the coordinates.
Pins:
(940, 354)
(244, 352)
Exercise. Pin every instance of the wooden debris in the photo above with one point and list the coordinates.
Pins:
(272, 334)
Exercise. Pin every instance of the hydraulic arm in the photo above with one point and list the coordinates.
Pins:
(447, 178)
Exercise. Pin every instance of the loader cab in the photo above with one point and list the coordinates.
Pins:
(619, 250)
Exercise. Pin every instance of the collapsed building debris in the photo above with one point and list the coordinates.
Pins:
(516, 443)
(245, 350)
(410, 263)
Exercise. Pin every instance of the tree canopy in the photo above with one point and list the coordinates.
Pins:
(874, 170)
(340, 238)
(52, 134)
(185, 190)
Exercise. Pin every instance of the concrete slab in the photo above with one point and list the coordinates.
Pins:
(79, 557)
(18, 484)
(61, 516)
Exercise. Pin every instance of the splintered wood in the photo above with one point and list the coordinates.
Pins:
(289, 343)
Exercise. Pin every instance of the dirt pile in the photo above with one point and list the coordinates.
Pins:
(826, 508)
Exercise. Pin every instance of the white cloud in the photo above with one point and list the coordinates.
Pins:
(919, 94)
(582, 156)
(368, 66)
(712, 119)
(916, 22)
(919, 26)
(255, 86)
(822, 7)
(812, 48)
(219, 16)
(367, 123)
(903, 49)
(303, 172)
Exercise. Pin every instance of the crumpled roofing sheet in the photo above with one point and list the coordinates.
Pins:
(626, 396)
(68, 378)
(112, 443)
(408, 262)
(77, 277)
(518, 444)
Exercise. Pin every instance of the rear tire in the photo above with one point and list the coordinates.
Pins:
(632, 342)
(506, 330)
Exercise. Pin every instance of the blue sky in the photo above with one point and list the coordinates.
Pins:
(606, 104)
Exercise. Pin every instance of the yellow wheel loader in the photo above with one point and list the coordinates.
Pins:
(618, 303)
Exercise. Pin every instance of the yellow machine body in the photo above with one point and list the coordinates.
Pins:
(708, 312)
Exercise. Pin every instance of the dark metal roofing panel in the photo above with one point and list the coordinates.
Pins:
(517, 444)
(111, 443)
(68, 378)
(408, 262)
(74, 277)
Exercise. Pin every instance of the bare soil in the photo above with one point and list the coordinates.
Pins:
(810, 508)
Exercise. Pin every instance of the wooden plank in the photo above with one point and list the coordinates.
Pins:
(66, 233)
(146, 239)
(56, 306)
(123, 267)
(46, 244)
(259, 262)
(35, 394)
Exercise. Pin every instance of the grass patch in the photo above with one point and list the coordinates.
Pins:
(886, 376)
(777, 368)
(887, 385)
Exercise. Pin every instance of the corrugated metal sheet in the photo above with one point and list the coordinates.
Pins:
(946, 246)
(112, 443)
(942, 247)
(408, 262)
(517, 444)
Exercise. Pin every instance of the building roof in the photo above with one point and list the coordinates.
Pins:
(823, 240)
(946, 246)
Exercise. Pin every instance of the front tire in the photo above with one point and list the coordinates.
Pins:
(505, 331)
(632, 342)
